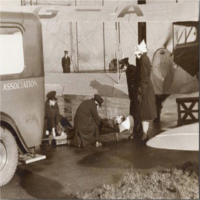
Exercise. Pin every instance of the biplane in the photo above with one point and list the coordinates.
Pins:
(97, 37)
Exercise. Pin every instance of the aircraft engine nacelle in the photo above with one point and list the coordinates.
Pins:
(162, 71)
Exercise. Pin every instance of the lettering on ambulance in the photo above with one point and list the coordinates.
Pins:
(19, 85)
(48, 15)
(126, 11)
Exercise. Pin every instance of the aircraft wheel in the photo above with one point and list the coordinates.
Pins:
(8, 154)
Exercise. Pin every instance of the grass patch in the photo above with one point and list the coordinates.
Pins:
(170, 184)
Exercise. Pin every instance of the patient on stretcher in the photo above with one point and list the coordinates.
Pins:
(118, 124)
(115, 125)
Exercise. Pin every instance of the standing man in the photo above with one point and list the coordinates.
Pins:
(132, 76)
(146, 95)
(87, 122)
(66, 63)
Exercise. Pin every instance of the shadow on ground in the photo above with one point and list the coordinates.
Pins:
(128, 153)
(44, 188)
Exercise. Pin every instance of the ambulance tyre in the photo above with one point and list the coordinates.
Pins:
(8, 154)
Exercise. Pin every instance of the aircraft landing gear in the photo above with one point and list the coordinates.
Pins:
(160, 98)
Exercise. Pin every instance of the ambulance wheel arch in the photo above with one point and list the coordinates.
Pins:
(9, 155)
(9, 123)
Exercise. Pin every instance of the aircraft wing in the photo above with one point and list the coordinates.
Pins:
(138, 13)
(181, 138)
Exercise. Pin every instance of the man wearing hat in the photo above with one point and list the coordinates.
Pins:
(52, 115)
(87, 122)
(132, 76)
(66, 63)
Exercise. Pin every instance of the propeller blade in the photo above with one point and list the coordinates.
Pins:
(168, 39)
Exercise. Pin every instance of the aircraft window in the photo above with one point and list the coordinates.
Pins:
(184, 34)
(11, 51)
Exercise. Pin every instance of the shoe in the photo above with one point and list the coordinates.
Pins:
(131, 137)
(156, 120)
(134, 135)
(80, 146)
(98, 144)
(144, 136)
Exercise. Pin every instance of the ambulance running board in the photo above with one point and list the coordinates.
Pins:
(30, 158)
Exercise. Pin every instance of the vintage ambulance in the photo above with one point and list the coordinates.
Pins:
(22, 90)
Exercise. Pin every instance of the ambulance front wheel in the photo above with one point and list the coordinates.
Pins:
(8, 154)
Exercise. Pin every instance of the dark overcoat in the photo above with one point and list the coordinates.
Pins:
(53, 117)
(66, 64)
(87, 122)
(132, 76)
(52, 114)
(147, 106)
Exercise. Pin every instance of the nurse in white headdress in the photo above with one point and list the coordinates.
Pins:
(146, 95)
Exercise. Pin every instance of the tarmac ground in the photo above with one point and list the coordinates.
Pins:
(68, 170)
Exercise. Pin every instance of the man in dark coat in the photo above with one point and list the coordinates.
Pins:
(87, 122)
(66, 63)
(52, 115)
(132, 76)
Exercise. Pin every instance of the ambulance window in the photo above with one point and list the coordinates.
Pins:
(11, 51)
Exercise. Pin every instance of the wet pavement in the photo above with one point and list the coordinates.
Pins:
(68, 170)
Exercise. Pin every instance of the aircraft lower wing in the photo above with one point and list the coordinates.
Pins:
(181, 138)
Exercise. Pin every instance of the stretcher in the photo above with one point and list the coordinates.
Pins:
(58, 140)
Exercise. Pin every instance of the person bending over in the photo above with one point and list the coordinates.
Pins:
(87, 122)
(54, 122)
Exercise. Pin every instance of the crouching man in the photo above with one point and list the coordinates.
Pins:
(87, 122)
(54, 123)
